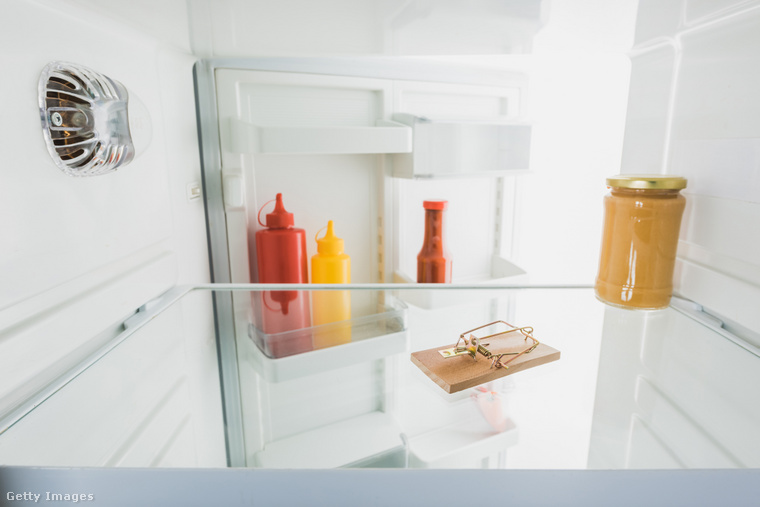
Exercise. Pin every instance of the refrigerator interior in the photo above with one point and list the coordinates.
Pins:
(84, 258)
(329, 103)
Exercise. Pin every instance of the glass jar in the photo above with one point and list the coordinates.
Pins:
(642, 219)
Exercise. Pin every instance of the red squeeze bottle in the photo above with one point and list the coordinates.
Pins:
(433, 261)
(281, 258)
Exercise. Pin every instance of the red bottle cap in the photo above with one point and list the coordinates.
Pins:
(279, 218)
(437, 205)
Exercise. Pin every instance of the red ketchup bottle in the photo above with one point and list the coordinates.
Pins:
(281, 258)
(433, 261)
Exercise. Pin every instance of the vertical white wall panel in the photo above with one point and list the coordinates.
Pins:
(682, 401)
(710, 112)
(82, 254)
(715, 140)
(681, 393)
(649, 111)
(657, 20)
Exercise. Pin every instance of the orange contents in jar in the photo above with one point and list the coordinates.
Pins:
(642, 218)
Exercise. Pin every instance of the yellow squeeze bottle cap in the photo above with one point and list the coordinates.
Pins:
(329, 244)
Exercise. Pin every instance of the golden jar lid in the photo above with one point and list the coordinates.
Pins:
(647, 181)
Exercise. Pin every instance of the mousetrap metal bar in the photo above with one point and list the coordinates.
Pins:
(474, 345)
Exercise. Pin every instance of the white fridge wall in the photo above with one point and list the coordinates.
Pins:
(226, 28)
(677, 388)
(82, 254)
(663, 410)
(693, 111)
(138, 406)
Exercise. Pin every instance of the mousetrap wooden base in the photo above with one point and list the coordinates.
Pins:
(455, 374)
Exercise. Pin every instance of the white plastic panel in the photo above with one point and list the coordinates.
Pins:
(697, 11)
(717, 80)
(443, 101)
(648, 120)
(325, 447)
(141, 405)
(448, 27)
(575, 27)
(167, 22)
(674, 392)
(694, 446)
(318, 400)
(38, 346)
(709, 110)
(83, 254)
(61, 227)
(647, 451)
(678, 356)
(738, 160)
(716, 131)
(385, 137)
(658, 20)
(468, 444)
(446, 149)
(362, 27)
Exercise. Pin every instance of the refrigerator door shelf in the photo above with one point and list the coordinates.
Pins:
(450, 149)
(502, 272)
(466, 444)
(385, 137)
(371, 337)
(369, 435)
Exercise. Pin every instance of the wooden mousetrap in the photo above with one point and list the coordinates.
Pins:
(473, 361)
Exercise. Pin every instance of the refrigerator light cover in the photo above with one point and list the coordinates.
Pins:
(90, 123)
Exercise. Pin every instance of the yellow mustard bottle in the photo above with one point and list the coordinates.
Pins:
(331, 265)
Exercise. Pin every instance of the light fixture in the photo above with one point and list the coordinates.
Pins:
(90, 123)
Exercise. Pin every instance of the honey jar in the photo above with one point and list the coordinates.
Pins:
(642, 219)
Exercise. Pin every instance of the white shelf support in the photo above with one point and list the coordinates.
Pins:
(385, 137)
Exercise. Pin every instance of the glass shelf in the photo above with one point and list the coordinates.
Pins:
(632, 389)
